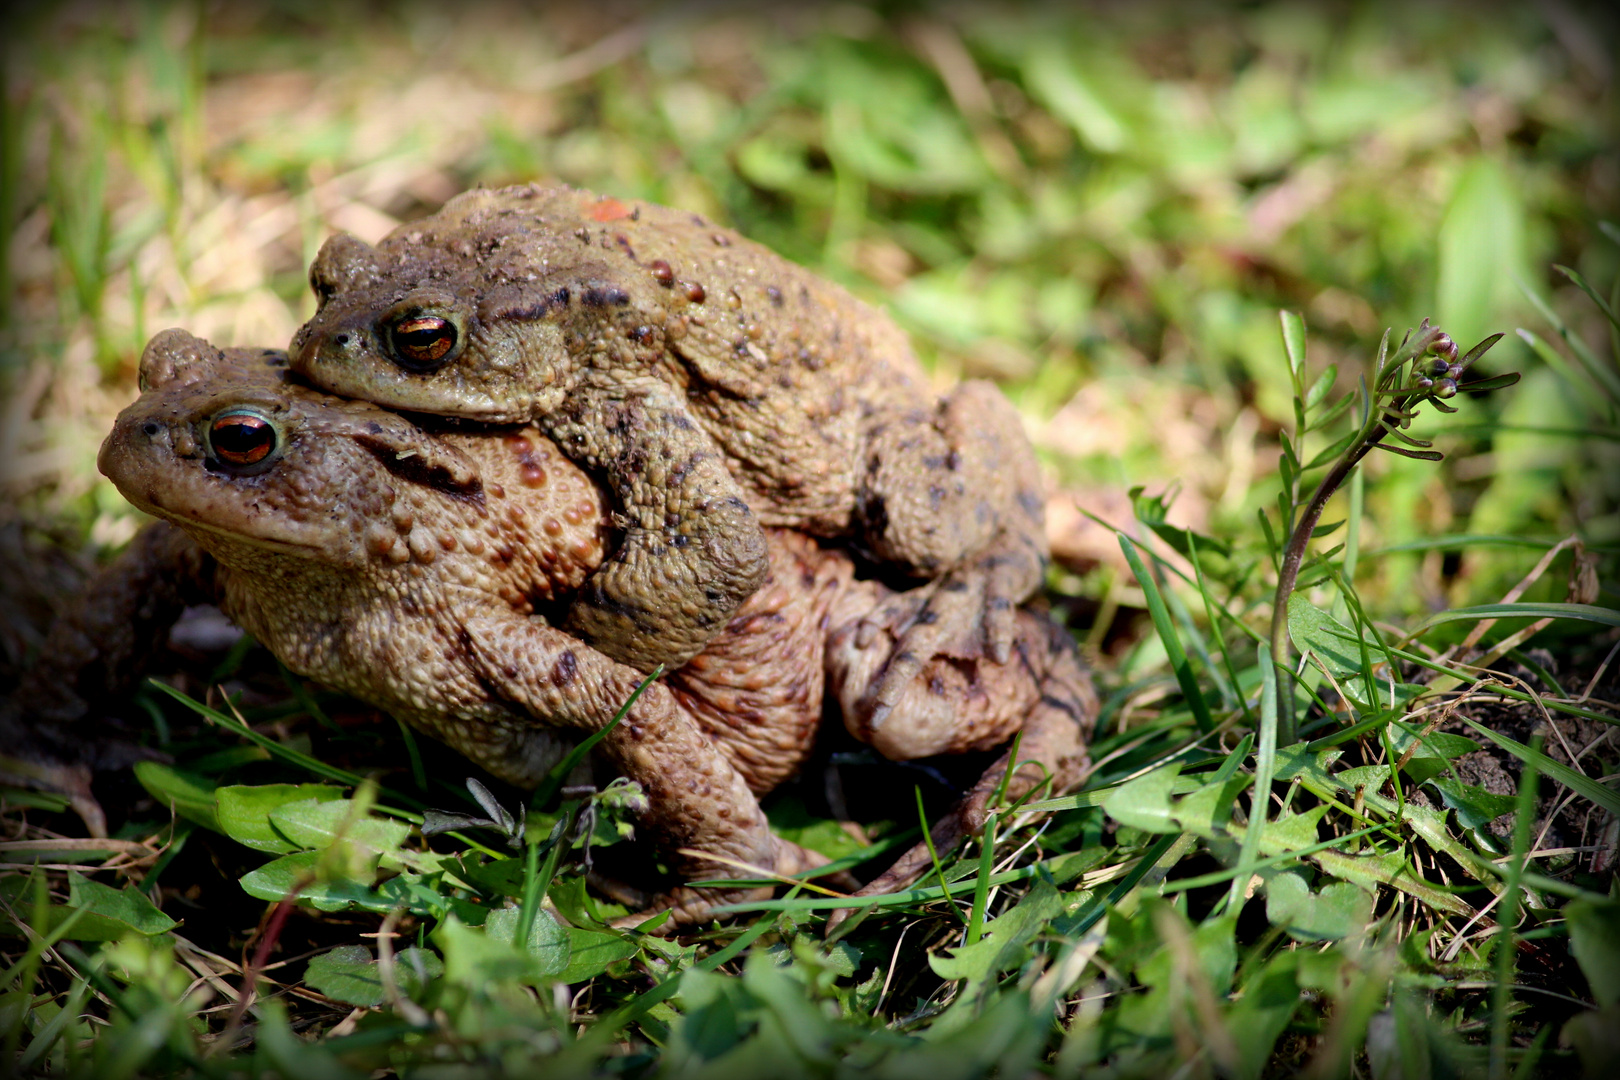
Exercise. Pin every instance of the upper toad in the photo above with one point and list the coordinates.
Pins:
(714, 386)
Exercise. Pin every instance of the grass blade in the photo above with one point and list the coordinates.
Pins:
(1265, 767)
(1167, 634)
(554, 779)
(1579, 783)
(1586, 612)
(1508, 915)
(981, 881)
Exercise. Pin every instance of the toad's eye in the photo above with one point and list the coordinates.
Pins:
(422, 342)
(242, 438)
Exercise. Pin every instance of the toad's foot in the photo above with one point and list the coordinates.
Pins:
(969, 616)
(1051, 752)
(980, 534)
(652, 603)
(692, 550)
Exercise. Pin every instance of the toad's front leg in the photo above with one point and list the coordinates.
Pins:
(691, 550)
(700, 810)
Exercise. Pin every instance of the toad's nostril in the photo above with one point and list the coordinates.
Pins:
(341, 340)
(152, 428)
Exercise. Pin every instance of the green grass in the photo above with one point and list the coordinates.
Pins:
(1378, 858)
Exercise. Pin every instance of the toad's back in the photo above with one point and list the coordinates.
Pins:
(778, 365)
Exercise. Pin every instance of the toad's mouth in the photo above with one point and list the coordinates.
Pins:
(154, 504)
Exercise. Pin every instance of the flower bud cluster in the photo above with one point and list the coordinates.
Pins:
(1443, 371)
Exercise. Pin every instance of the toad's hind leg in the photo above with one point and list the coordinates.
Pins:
(691, 552)
(955, 496)
(1050, 751)
(699, 808)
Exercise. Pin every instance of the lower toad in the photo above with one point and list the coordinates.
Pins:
(417, 572)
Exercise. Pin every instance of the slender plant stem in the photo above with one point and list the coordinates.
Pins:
(1379, 422)
(1294, 557)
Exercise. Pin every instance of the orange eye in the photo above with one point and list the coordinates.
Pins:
(422, 342)
(242, 438)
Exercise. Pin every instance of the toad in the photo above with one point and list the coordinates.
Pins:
(416, 571)
(715, 388)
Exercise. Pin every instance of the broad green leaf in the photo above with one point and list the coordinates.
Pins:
(128, 905)
(1319, 389)
(109, 913)
(477, 958)
(1436, 744)
(502, 877)
(574, 901)
(350, 974)
(1593, 1035)
(800, 1025)
(1332, 449)
(1340, 910)
(245, 812)
(317, 822)
(276, 880)
(1314, 631)
(1208, 810)
(1300, 760)
(1291, 831)
(778, 164)
(1373, 870)
(1362, 778)
(1259, 1017)
(1054, 78)
(884, 123)
(189, 795)
(791, 821)
(1065, 867)
(1475, 806)
(1144, 803)
(1293, 336)
(1212, 943)
(1594, 938)
(548, 941)
(590, 952)
(711, 1019)
(1005, 941)
(1421, 768)
(1006, 1039)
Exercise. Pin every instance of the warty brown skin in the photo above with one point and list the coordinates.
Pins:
(715, 387)
(380, 561)
(406, 568)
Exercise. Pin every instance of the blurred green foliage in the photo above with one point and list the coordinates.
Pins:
(1056, 199)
